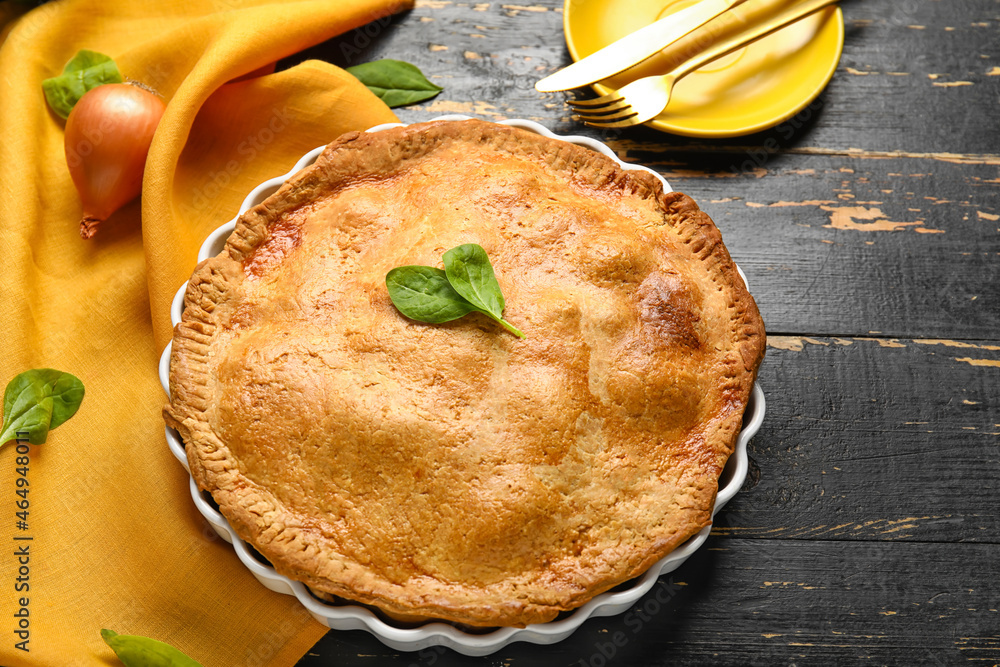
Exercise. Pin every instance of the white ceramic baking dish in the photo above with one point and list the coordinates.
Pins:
(404, 637)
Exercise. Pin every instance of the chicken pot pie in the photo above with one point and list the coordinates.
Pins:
(454, 471)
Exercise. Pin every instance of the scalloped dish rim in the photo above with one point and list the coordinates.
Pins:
(437, 633)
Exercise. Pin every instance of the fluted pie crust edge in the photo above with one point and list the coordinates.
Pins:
(611, 474)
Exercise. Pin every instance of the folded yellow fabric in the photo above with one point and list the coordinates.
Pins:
(115, 540)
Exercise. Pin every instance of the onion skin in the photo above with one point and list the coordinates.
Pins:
(108, 134)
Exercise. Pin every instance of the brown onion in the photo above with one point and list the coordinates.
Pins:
(108, 134)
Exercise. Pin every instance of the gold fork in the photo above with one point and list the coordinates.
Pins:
(646, 98)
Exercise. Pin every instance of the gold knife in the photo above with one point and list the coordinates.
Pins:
(635, 47)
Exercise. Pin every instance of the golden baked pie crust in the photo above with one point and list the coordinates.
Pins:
(454, 471)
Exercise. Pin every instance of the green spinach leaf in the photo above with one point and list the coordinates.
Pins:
(36, 401)
(396, 83)
(469, 271)
(138, 651)
(467, 284)
(423, 293)
(87, 69)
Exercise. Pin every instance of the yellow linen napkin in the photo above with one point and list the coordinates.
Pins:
(115, 540)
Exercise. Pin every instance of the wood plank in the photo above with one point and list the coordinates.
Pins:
(835, 245)
(768, 602)
(874, 439)
(918, 77)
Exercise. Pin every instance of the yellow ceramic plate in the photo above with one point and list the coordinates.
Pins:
(747, 91)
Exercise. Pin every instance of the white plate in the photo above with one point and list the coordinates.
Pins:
(403, 638)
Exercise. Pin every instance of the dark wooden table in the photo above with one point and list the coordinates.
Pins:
(869, 229)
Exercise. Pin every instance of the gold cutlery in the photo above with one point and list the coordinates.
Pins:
(636, 47)
(644, 99)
